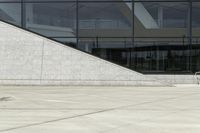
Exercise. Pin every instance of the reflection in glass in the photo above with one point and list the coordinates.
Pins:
(104, 19)
(11, 12)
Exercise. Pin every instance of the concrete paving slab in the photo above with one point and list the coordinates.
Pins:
(30, 109)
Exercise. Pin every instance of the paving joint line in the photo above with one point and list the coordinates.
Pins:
(91, 113)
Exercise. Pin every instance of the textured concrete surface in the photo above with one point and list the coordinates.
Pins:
(29, 59)
(100, 109)
(176, 79)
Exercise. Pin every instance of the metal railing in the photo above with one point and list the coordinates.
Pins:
(197, 77)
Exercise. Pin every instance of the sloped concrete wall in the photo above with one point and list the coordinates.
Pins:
(29, 59)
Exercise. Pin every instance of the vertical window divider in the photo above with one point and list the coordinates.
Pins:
(23, 14)
(133, 33)
(77, 23)
(189, 28)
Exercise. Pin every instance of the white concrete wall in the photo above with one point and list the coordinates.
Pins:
(28, 59)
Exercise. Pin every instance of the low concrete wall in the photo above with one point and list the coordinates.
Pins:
(29, 59)
(175, 79)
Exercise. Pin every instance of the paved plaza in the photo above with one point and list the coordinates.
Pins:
(100, 109)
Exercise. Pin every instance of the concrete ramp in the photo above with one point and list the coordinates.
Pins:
(29, 59)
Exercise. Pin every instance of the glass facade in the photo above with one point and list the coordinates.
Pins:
(159, 36)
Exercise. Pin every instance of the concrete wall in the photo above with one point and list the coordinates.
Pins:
(29, 59)
(176, 79)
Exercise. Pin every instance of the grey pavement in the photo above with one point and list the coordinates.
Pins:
(99, 109)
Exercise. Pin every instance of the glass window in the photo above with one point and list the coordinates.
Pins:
(195, 52)
(11, 12)
(109, 19)
(162, 14)
(48, 1)
(52, 19)
(161, 43)
(105, 30)
(157, 0)
(196, 15)
(10, 1)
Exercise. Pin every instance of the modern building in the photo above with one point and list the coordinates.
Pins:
(147, 36)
